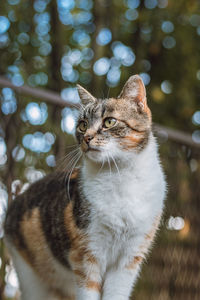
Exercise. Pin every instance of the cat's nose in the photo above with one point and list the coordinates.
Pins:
(88, 138)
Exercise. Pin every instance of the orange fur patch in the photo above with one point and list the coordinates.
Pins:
(149, 236)
(34, 238)
(132, 141)
(93, 285)
(91, 259)
(136, 260)
(80, 274)
(37, 254)
(74, 173)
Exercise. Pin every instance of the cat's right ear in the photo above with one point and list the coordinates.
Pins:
(85, 96)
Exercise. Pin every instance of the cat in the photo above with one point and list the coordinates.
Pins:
(86, 239)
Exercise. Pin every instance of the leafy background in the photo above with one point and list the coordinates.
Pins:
(99, 44)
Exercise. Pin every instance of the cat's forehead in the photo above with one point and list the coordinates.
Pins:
(120, 108)
(111, 107)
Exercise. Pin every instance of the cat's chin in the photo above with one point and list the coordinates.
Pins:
(94, 155)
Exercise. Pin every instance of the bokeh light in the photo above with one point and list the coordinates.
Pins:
(38, 142)
(150, 4)
(36, 114)
(196, 118)
(4, 24)
(50, 160)
(166, 87)
(113, 76)
(4, 40)
(133, 3)
(175, 223)
(123, 53)
(145, 77)
(81, 37)
(169, 42)
(196, 136)
(33, 174)
(18, 153)
(131, 14)
(68, 121)
(8, 101)
(167, 26)
(104, 37)
(70, 94)
(162, 3)
(101, 66)
(198, 74)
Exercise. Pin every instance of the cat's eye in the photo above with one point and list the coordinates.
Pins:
(109, 122)
(82, 126)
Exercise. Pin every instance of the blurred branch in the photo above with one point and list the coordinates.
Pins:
(47, 96)
(54, 98)
(177, 136)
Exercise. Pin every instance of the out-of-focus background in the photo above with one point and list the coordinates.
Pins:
(46, 47)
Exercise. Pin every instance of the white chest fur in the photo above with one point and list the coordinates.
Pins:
(124, 204)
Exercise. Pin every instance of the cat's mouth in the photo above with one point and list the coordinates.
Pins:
(94, 153)
(86, 148)
(93, 149)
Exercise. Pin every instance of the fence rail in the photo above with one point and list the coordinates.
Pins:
(54, 98)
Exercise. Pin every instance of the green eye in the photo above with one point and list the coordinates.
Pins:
(109, 122)
(82, 126)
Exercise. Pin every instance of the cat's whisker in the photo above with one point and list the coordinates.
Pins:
(68, 154)
(70, 163)
(102, 165)
(71, 146)
(75, 160)
(115, 163)
(69, 172)
(108, 159)
(67, 159)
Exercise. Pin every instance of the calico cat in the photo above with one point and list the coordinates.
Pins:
(86, 239)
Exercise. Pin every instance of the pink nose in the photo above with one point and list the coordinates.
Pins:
(88, 138)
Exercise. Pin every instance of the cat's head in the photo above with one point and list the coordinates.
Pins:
(114, 126)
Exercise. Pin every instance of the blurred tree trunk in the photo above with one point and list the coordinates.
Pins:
(55, 82)
(101, 20)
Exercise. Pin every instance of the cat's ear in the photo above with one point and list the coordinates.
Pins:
(134, 90)
(84, 95)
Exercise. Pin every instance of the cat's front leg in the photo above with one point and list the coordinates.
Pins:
(88, 285)
(120, 280)
(87, 276)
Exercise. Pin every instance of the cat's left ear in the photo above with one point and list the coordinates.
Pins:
(134, 90)
(85, 96)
